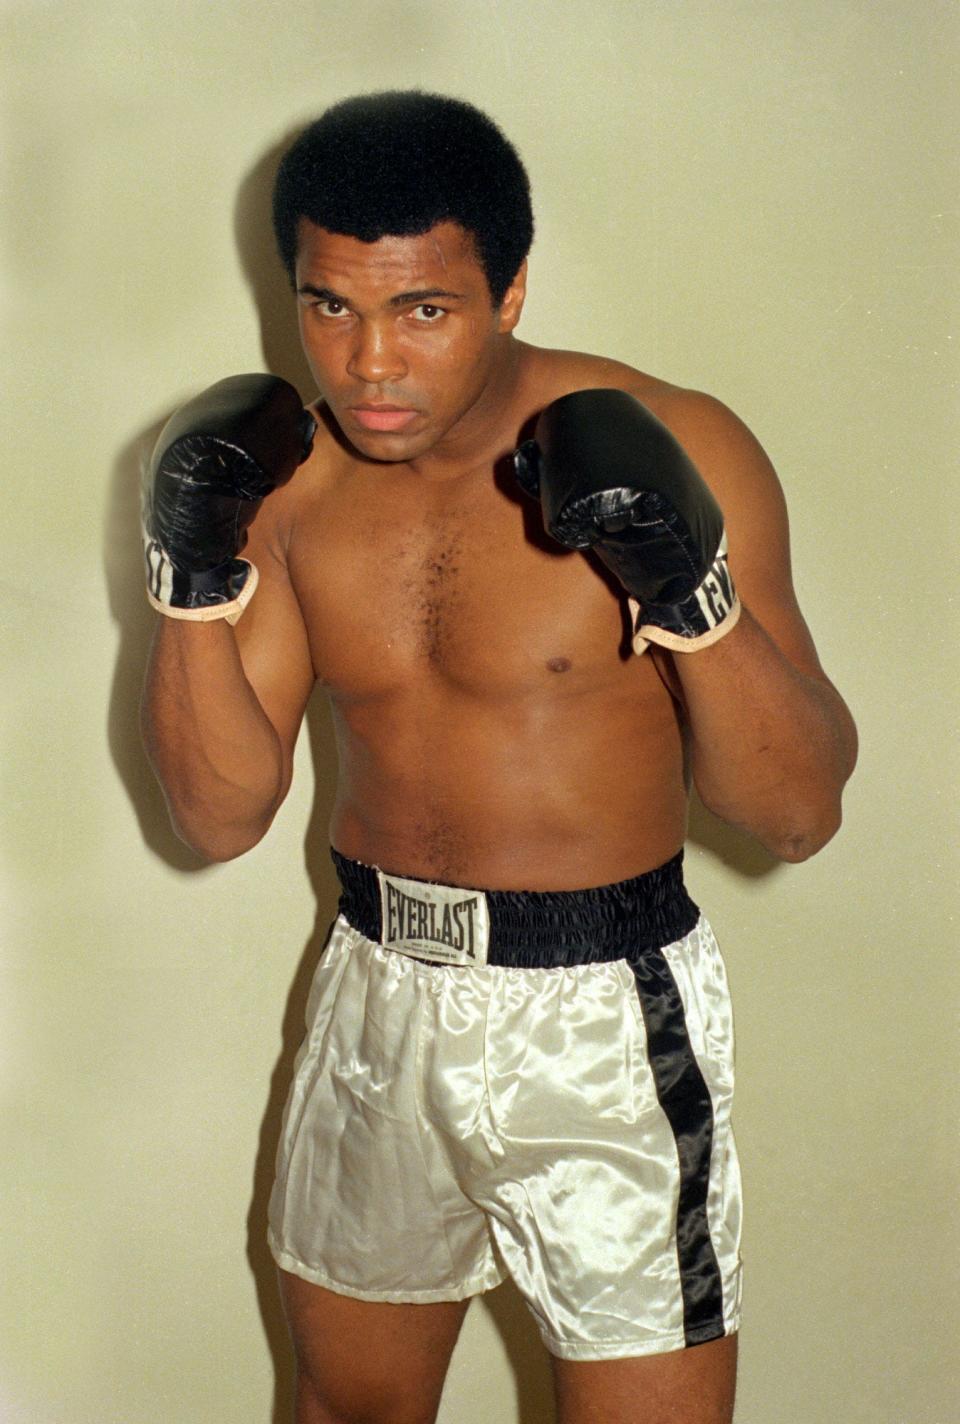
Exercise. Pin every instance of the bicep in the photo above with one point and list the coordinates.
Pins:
(274, 647)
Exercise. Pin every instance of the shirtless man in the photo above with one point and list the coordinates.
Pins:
(535, 1083)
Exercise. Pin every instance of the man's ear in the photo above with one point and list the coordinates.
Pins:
(512, 304)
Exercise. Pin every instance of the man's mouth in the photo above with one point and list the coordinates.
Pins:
(376, 416)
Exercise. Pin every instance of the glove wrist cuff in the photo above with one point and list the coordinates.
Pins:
(698, 620)
(223, 592)
(646, 632)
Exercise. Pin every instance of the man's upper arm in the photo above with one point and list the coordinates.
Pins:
(273, 642)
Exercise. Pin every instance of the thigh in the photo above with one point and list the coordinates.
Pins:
(367, 1199)
(623, 1232)
(691, 1386)
(368, 1361)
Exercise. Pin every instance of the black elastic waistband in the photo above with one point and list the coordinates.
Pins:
(543, 928)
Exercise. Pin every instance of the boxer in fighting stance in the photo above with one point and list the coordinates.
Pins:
(543, 591)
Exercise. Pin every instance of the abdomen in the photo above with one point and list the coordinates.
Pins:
(534, 792)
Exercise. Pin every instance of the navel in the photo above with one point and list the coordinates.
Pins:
(559, 664)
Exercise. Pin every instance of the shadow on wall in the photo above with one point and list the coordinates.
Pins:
(123, 566)
(269, 285)
(275, 306)
(734, 849)
(276, 309)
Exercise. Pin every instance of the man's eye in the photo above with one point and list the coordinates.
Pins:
(329, 306)
(427, 313)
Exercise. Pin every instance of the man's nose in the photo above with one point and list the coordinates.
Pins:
(375, 356)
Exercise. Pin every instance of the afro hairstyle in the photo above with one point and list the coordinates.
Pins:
(399, 162)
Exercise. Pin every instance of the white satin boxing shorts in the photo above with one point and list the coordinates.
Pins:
(532, 1084)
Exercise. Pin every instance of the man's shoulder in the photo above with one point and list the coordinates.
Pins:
(556, 373)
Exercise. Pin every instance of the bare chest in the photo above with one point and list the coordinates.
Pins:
(468, 591)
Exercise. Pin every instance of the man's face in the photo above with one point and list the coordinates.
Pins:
(400, 335)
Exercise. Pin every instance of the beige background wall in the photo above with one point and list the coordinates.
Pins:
(758, 199)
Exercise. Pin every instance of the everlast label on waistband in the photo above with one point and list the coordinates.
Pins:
(442, 923)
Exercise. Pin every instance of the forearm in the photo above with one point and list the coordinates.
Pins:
(770, 746)
(214, 750)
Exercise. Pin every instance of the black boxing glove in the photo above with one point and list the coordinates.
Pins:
(611, 477)
(215, 461)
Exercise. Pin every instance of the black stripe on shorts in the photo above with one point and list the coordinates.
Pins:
(685, 1100)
